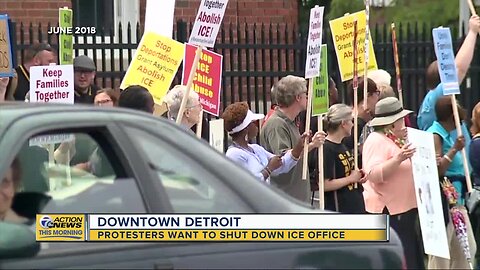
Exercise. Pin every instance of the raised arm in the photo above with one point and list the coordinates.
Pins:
(465, 54)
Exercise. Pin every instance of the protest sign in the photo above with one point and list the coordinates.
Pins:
(217, 134)
(320, 87)
(52, 84)
(427, 191)
(314, 43)
(442, 41)
(207, 23)
(65, 18)
(159, 17)
(342, 34)
(154, 64)
(312, 69)
(6, 65)
(447, 69)
(207, 80)
(50, 139)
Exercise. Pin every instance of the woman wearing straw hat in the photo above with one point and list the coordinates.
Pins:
(241, 124)
(390, 187)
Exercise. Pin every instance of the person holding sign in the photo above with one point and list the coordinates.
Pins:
(426, 113)
(281, 133)
(450, 164)
(339, 170)
(38, 54)
(193, 109)
(386, 161)
(241, 125)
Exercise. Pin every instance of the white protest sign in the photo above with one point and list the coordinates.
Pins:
(159, 17)
(52, 84)
(50, 139)
(427, 190)
(207, 23)
(216, 134)
(447, 68)
(314, 43)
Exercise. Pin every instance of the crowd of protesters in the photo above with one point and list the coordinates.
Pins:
(381, 184)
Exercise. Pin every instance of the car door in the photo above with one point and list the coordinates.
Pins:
(46, 186)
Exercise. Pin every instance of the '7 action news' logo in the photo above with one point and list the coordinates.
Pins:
(60, 227)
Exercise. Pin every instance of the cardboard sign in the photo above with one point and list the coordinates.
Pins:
(65, 18)
(207, 23)
(207, 81)
(314, 43)
(52, 84)
(427, 190)
(6, 65)
(154, 64)
(217, 134)
(442, 41)
(320, 87)
(342, 34)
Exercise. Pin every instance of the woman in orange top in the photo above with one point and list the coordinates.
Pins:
(390, 188)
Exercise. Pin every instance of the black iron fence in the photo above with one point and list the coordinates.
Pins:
(257, 55)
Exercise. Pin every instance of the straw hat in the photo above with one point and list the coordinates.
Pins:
(387, 111)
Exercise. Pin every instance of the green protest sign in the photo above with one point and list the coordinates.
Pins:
(320, 87)
(65, 18)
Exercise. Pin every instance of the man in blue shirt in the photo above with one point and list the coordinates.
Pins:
(426, 113)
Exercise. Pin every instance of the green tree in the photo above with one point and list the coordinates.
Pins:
(438, 12)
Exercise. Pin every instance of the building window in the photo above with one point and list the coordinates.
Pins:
(97, 13)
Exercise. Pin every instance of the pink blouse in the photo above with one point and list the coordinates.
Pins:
(397, 192)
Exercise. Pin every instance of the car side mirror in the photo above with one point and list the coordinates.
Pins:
(17, 241)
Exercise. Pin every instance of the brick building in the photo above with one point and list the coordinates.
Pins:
(239, 62)
(111, 12)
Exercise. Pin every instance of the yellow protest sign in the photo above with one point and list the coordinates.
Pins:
(154, 64)
(342, 34)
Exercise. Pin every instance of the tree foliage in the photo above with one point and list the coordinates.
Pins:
(434, 12)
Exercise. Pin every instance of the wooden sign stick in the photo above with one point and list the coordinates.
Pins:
(397, 64)
(464, 152)
(472, 7)
(367, 51)
(355, 96)
(191, 76)
(307, 128)
(321, 183)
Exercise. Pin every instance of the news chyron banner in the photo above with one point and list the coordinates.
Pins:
(204, 228)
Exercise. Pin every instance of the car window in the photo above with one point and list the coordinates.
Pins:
(190, 187)
(72, 173)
